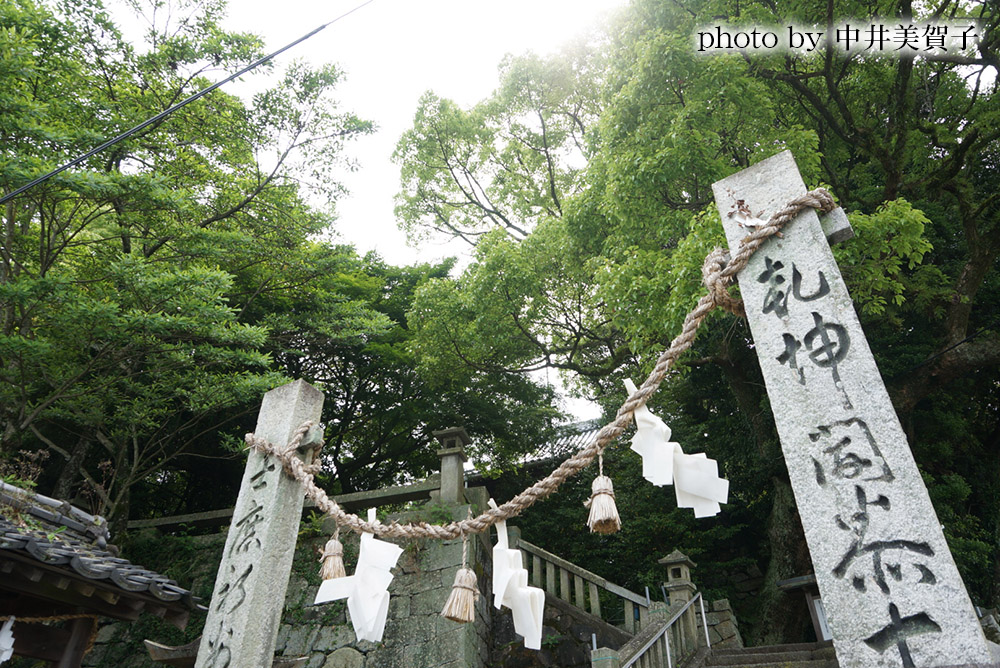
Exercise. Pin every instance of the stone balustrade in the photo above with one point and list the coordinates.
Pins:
(577, 586)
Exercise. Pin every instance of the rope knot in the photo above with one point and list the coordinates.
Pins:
(287, 454)
(823, 200)
(712, 277)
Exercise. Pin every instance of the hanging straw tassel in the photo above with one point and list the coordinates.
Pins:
(461, 604)
(333, 559)
(603, 512)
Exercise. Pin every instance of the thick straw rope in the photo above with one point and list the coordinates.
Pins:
(717, 274)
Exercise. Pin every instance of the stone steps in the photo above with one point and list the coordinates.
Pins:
(800, 655)
(784, 663)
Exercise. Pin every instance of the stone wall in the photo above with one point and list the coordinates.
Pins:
(744, 585)
(991, 629)
(415, 633)
(723, 631)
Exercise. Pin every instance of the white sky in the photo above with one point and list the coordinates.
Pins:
(392, 51)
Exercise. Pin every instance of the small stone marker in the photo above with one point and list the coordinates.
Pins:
(892, 594)
(249, 594)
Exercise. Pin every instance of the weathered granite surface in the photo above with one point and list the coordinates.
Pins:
(889, 584)
(245, 609)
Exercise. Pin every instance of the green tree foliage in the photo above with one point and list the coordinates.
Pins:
(382, 408)
(508, 162)
(521, 306)
(909, 148)
(127, 285)
(149, 297)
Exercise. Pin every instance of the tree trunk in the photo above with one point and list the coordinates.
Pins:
(118, 513)
(995, 594)
(993, 457)
(783, 618)
(66, 484)
(748, 399)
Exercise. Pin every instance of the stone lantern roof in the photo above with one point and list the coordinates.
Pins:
(677, 558)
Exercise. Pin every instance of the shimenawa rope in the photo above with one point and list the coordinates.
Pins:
(717, 275)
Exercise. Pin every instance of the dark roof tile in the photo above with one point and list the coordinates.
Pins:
(57, 534)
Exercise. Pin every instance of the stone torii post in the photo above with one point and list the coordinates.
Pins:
(249, 594)
(889, 585)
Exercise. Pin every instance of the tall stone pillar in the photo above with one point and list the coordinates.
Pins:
(891, 591)
(249, 594)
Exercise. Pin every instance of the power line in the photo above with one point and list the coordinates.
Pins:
(166, 112)
(933, 357)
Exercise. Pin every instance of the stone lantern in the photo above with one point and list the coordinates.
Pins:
(678, 585)
(452, 454)
(680, 590)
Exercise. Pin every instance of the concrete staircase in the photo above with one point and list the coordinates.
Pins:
(802, 655)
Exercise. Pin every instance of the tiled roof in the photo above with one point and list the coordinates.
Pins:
(570, 438)
(38, 529)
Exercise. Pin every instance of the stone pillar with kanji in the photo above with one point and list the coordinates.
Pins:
(889, 585)
(245, 609)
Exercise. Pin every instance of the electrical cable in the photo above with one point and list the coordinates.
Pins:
(933, 357)
(166, 112)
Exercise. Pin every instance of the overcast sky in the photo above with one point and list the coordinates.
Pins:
(392, 52)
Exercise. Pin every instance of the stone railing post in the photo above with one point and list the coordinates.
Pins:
(603, 657)
(453, 441)
(680, 589)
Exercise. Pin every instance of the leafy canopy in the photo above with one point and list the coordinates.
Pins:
(599, 286)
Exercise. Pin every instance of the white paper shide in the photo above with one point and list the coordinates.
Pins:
(367, 591)
(695, 477)
(7, 640)
(511, 590)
